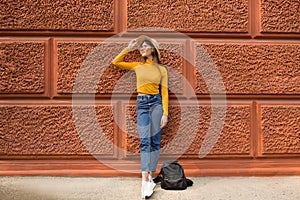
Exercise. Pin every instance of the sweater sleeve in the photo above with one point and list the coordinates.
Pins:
(164, 91)
(118, 61)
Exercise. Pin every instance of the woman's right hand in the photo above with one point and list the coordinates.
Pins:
(163, 121)
(131, 44)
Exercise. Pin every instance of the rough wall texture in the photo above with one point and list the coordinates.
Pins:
(52, 51)
(280, 129)
(57, 15)
(234, 138)
(280, 16)
(50, 130)
(22, 67)
(191, 15)
(254, 68)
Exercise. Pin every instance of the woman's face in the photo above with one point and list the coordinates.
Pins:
(146, 50)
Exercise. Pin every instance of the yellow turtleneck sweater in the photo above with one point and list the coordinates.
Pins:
(148, 77)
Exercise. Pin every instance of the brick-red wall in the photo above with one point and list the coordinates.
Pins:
(254, 44)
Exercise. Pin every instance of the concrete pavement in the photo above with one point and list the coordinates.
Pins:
(128, 188)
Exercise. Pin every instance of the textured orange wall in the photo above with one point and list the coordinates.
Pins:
(255, 45)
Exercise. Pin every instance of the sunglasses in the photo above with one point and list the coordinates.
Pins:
(144, 48)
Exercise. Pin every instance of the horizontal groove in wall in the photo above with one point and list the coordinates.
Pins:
(161, 36)
(83, 34)
(262, 167)
(268, 100)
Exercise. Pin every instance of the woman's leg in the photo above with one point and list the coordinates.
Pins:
(156, 113)
(149, 113)
(143, 121)
(145, 176)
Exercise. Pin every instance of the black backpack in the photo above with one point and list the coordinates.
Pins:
(172, 177)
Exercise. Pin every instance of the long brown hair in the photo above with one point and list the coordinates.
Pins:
(154, 54)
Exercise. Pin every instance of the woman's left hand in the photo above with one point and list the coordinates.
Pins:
(163, 121)
(132, 44)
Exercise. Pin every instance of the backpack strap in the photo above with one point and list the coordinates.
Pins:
(159, 72)
(158, 178)
(189, 182)
(159, 89)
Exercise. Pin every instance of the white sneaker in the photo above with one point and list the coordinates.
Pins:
(152, 182)
(147, 189)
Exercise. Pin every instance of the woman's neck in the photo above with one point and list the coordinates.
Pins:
(150, 57)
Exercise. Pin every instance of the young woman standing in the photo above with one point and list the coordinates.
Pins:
(151, 104)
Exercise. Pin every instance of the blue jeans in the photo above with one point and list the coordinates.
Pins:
(149, 113)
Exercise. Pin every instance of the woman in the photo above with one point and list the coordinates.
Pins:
(151, 103)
